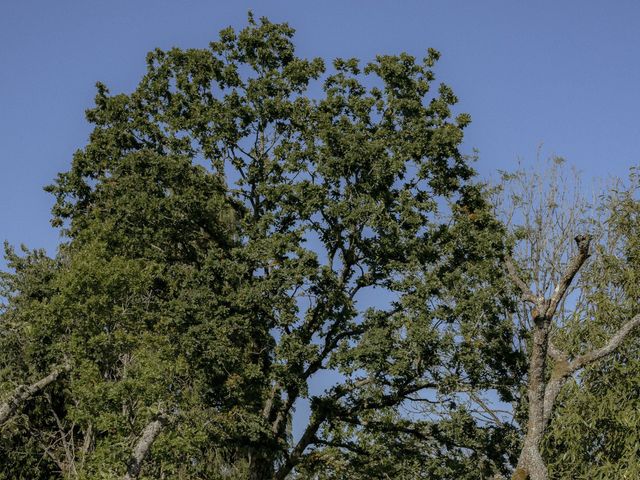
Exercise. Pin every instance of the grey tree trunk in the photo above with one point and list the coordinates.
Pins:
(542, 389)
(530, 462)
(143, 445)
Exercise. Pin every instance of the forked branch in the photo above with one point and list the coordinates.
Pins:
(583, 241)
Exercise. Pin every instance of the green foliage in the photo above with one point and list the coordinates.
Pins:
(227, 226)
(595, 432)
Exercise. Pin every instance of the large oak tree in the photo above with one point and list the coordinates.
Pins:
(241, 224)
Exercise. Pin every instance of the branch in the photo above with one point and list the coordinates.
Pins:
(86, 444)
(352, 447)
(564, 368)
(307, 438)
(268, 406)
(574, 265)
(551, 392)
(331, 341)
(394, 398)
(292, 393)
(24, 393)
(527, 294)
(317, 418)
(555, 353)
(614, 343)
(142, 447)
(489, 411)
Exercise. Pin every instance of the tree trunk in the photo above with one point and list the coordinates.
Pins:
(530, 463)
(542, 396)
(260, 467)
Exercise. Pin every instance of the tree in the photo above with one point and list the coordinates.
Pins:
(595, 432)
(225, 229)
(572, 315)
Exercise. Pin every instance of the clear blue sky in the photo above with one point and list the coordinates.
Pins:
(563, 73)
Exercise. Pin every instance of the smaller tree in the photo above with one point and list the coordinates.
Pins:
(595, 432)
(562, 293)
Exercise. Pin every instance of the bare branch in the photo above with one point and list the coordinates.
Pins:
(564, 368)
(572, 269)
(610, 347)
(491, 412)
(25, 392)
(70, 464)
(86, 444)
(527, 294)
(143, 445)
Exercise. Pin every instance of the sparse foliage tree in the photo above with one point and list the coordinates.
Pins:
(569, 267)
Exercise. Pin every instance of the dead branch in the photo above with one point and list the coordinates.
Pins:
(23, 393)
(574, 265)
(143, 446)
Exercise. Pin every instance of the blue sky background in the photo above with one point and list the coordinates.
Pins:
(565, 74)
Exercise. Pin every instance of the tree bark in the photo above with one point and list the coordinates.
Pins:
(530, 462)
(143, 445)
(542, 395)
(23, 393)
(543, 392)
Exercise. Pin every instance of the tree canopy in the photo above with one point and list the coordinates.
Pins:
(228, 224)
(250, 233)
